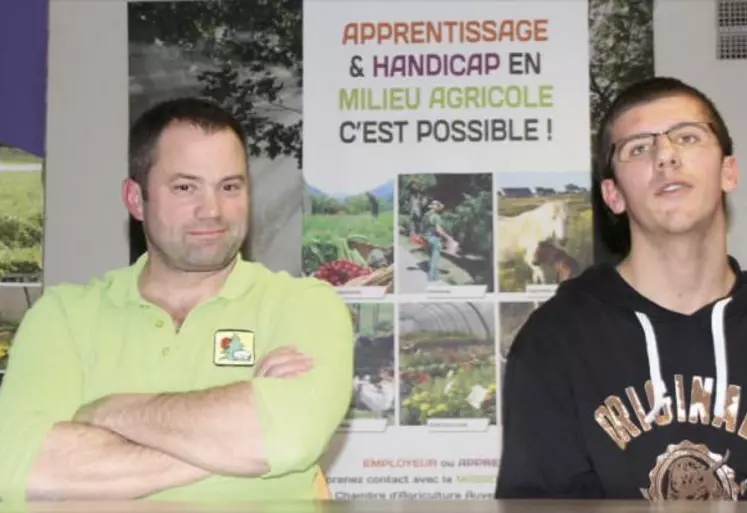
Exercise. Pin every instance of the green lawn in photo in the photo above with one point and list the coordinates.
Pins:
(21, 194)
(21, 222)
(378, 231)
(10, 155)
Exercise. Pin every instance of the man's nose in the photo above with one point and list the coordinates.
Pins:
(666, 155)
(209, 206)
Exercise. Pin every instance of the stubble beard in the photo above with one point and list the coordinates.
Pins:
(195, 257)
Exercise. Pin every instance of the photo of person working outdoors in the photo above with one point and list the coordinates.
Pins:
(437, 238)
(445, 231)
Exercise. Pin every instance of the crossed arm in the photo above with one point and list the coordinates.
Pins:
(79, 461)
(133, 445)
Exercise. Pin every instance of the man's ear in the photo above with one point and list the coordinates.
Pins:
(132, 195)
(612, 196)
(729, 173)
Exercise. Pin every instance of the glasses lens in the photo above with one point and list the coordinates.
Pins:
(636, 147)
(688, 135)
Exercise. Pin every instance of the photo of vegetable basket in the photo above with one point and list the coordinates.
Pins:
(353, 262)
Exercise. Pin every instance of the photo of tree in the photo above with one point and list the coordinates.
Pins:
(247, 56)
(621, 51)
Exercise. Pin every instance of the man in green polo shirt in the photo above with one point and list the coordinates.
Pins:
(192, 374)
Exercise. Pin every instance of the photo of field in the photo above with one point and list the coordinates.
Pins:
(512, 316)
(349, 240)
(445, 221)
(21, 216)
(545, 230)
(374, 385)
(21, 236)
(447, 361)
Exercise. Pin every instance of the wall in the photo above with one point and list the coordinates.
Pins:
(86, 226)
(685, 47)
(86, 230)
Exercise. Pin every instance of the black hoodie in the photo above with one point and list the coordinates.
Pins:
(608, 395)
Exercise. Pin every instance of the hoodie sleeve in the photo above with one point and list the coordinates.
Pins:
(543, 454)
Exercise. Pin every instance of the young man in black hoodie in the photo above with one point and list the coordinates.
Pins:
(628, 382)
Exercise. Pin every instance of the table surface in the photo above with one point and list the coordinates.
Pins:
(546, 506)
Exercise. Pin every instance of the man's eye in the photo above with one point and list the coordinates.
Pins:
(233, 187)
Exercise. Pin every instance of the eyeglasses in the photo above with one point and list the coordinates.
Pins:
(682, 135)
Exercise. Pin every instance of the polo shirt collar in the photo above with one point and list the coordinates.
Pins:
(124, 288)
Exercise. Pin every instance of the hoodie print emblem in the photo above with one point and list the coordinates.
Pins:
(624, 418)
(689, 471)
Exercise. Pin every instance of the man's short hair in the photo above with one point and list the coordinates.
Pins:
(646, 91)
(146, 131)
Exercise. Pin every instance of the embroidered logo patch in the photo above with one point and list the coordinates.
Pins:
(233, 347)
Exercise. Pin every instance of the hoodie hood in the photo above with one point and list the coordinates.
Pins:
(603, 283)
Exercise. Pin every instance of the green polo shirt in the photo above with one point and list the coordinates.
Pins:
(82, 342)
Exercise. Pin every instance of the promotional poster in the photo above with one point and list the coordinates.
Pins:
(434, 165)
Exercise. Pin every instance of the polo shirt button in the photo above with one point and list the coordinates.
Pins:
(159, 324)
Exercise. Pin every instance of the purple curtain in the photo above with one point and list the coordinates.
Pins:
(23, 73)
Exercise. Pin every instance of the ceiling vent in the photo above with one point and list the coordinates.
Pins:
(731, 32)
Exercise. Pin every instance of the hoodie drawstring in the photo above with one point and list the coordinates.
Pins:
(719, 351)
(654, 367)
